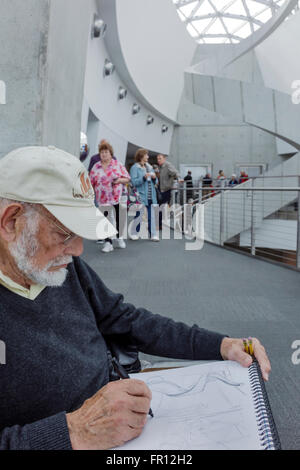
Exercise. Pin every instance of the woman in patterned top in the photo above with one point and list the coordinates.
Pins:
(108, 177)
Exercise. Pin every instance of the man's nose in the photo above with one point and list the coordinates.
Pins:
(74, 247)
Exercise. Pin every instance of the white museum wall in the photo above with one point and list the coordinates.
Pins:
(156, 49)
(115, 116)
(278, 56)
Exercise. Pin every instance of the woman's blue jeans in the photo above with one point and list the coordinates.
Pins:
(151, 220)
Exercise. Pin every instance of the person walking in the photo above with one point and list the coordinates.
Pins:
(144, 179)
(189, 185)
(108, 177)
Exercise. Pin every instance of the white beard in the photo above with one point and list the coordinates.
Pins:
(23, 251)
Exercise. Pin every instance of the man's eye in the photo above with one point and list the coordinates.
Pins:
(61, 235)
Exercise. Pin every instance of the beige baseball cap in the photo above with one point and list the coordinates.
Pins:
(60, 182)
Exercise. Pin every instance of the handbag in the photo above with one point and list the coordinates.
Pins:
(124, 197)
(133, 196)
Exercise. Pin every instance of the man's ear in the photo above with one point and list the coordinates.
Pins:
(9, 221)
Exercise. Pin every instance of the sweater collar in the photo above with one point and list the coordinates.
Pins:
(13, 286)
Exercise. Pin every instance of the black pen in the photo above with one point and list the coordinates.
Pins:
(123, 374)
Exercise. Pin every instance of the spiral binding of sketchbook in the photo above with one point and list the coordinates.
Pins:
(266, 425)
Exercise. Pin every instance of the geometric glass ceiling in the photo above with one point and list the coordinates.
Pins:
(225, 21)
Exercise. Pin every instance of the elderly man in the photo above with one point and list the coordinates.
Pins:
(56, 316)
(167, 174)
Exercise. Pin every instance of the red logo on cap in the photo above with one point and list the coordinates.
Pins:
(85, 187)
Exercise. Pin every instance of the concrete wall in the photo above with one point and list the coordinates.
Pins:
(69, 31)
(23, 60)
(224, 145)
(246, 68)
(42, 57)
(207, 137)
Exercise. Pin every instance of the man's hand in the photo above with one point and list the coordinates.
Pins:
(116, 414)
(233, 349)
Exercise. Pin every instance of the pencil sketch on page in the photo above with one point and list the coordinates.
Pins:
(208, 406)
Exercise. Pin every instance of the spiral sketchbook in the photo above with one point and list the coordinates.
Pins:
(213, 406)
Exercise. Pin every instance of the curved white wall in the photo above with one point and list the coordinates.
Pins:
(278, 56)
(156, 49)
(115, 119)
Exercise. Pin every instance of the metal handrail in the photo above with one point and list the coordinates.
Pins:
(251, 212)
(226, 188)
(252, 177)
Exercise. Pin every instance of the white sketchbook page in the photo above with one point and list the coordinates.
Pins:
(207, 406)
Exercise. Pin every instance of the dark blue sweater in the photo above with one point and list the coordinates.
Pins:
(56, 353)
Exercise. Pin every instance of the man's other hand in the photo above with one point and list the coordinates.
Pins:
(233, 349)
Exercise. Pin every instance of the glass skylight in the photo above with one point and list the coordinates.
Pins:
(225, 21)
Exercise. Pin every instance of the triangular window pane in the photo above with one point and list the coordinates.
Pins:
(245, 31)
(232, 24)
(220, 5)
(187, 9)
(181, 16)
(201, 25)
(217, 28)
(264, 16)
(193, 32)
(205, 9)
(237, 8)
(255, 7)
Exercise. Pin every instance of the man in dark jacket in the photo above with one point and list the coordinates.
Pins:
(167, 175)
(57, 316)
(189, 184)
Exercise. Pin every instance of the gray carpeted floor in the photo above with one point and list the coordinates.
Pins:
(219, 290)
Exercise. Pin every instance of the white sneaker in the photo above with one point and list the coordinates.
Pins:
(155, 238)
(119, 243)
(134, 237)
(107, 247)
(100, 242)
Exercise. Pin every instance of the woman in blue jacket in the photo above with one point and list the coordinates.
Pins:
(144, 179)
